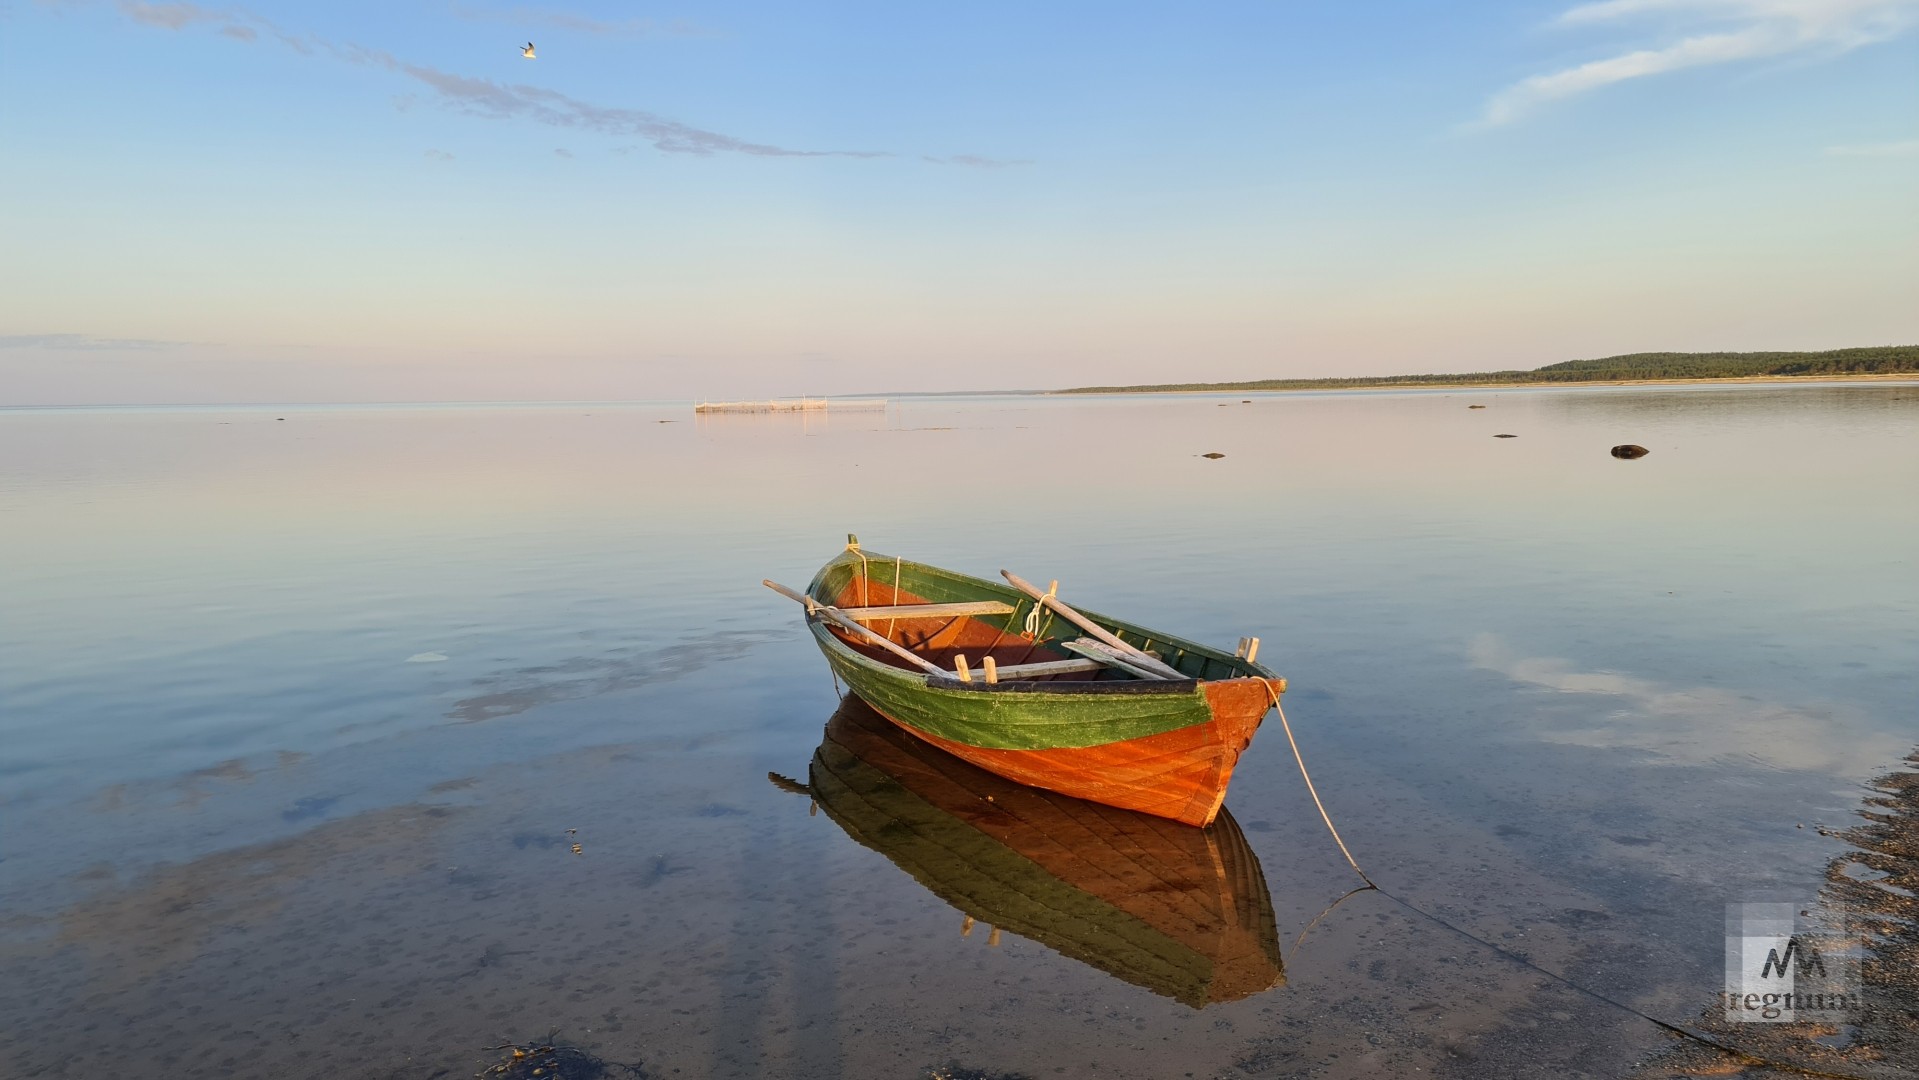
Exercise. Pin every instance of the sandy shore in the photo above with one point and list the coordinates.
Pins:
(1872, 890)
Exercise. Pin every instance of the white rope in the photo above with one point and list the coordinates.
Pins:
(1032, 617)
(896, 595)
(1310, 789)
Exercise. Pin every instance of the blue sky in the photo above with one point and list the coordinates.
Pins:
(356, 201)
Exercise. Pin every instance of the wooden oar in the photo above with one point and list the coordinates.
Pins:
(1140, 657)
(832, 614)
(1111, 657)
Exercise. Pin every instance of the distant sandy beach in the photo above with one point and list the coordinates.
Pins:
(1897, 377)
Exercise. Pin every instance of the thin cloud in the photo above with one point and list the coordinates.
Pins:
(236, 23)
(507, 101)
(1906, 149)
(84, 342)
(169, 16)
(439, 155)
(486, 98)
(1716, 32)
(582, 24)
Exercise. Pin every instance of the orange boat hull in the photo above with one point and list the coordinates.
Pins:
(1181, 774)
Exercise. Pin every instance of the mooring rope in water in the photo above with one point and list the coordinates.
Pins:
(1310, 789)
(1744, 1057)
(1301, 939)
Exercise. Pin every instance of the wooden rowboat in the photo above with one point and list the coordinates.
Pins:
(1182, 912)
(1020, 684)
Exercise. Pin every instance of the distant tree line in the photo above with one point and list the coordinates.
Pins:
(1632, 367)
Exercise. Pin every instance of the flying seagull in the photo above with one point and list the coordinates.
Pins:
(528, 51)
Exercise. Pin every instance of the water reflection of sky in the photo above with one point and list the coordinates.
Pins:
(1533, 679)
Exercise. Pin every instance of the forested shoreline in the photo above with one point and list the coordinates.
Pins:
(1631, 367)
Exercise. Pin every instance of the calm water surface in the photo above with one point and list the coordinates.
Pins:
(298, 707)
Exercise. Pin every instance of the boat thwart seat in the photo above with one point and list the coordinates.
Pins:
(925, 611)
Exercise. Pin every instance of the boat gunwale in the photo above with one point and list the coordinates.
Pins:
(851, 557)
(1117, 686)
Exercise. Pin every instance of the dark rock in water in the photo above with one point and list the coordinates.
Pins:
(312, 806)
(1629, 450)
(1245, 401)
(1505, 436)
(953, 1070)
(1475, 406)
(1214, 454)
(552, 1061)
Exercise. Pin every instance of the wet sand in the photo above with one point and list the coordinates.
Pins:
(1874, 887)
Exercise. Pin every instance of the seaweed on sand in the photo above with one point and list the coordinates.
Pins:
(1876, 888)
(953, 1070)
(547, 1059)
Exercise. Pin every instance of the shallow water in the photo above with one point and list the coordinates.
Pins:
(296, 714)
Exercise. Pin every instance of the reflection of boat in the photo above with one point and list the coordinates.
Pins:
(1003, 678)
(1181, 911)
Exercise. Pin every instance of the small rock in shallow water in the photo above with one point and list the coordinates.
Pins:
(1629, 450)
(1214, 454)
(1475, 406)
(547, 1059)
(1505, 436)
